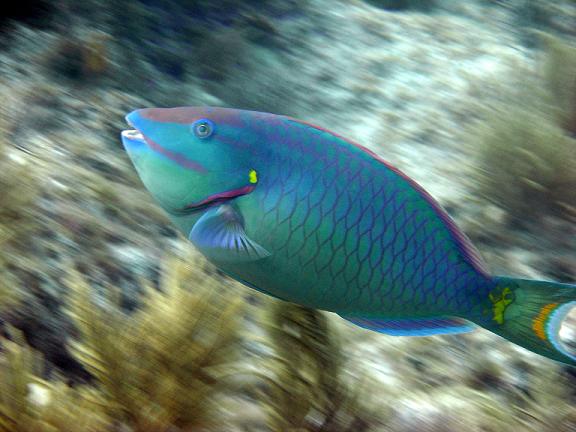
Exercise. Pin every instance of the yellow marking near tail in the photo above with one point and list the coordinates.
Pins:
(539, 322)
(253, 176)
(499, 304)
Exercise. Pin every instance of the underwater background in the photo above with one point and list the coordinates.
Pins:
(112, 322)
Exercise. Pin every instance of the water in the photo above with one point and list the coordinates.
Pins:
(475, 100)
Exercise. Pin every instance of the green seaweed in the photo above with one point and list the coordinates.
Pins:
(161, 367)
(526, 147)
(79, 59)
(559, 70)
(308, 389)
(527, 166)
(18, 191)
(30, 403)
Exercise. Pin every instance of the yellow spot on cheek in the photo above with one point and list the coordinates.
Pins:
(253, 176)
(540, 321)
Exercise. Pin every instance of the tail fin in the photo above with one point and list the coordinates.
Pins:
(530, 313)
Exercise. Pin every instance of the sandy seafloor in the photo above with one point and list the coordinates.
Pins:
(412, 86)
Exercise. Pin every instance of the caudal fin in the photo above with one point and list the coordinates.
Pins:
(530, 313)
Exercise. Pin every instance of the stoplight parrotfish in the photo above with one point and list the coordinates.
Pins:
(305, 215)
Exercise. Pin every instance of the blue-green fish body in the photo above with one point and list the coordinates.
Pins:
(305, 215)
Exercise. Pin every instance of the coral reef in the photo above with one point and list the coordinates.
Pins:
(156, 370)
(559, 71)
(30, 403)
(527, 166)
(555, 17)
(526, 147)
(83, 60)
(161, 366)
(308, 389)
(120, 347)
(219, 54)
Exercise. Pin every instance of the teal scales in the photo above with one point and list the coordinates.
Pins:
(304, 215)
(349, 234)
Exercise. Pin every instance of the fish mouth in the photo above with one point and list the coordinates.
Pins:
(132, 139)
(133, 135)
(216, 199)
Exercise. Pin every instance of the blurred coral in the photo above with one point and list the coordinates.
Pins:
(81, 59)
(160, 341)
(526, 151)
(527, 165)
(162, 366)
(559, 71)
(308, 389)
(29, 403)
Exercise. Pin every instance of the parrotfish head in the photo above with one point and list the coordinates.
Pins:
(193, 158)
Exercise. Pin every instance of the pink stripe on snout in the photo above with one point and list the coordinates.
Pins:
(188, 115)
(178, 158)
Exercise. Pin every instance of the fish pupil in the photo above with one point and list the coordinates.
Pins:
(203, 128)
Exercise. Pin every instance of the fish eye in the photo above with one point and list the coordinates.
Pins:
(203, 128)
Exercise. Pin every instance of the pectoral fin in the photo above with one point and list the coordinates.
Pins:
(219, 234)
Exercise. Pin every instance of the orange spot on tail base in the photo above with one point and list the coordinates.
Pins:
(539, 322)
